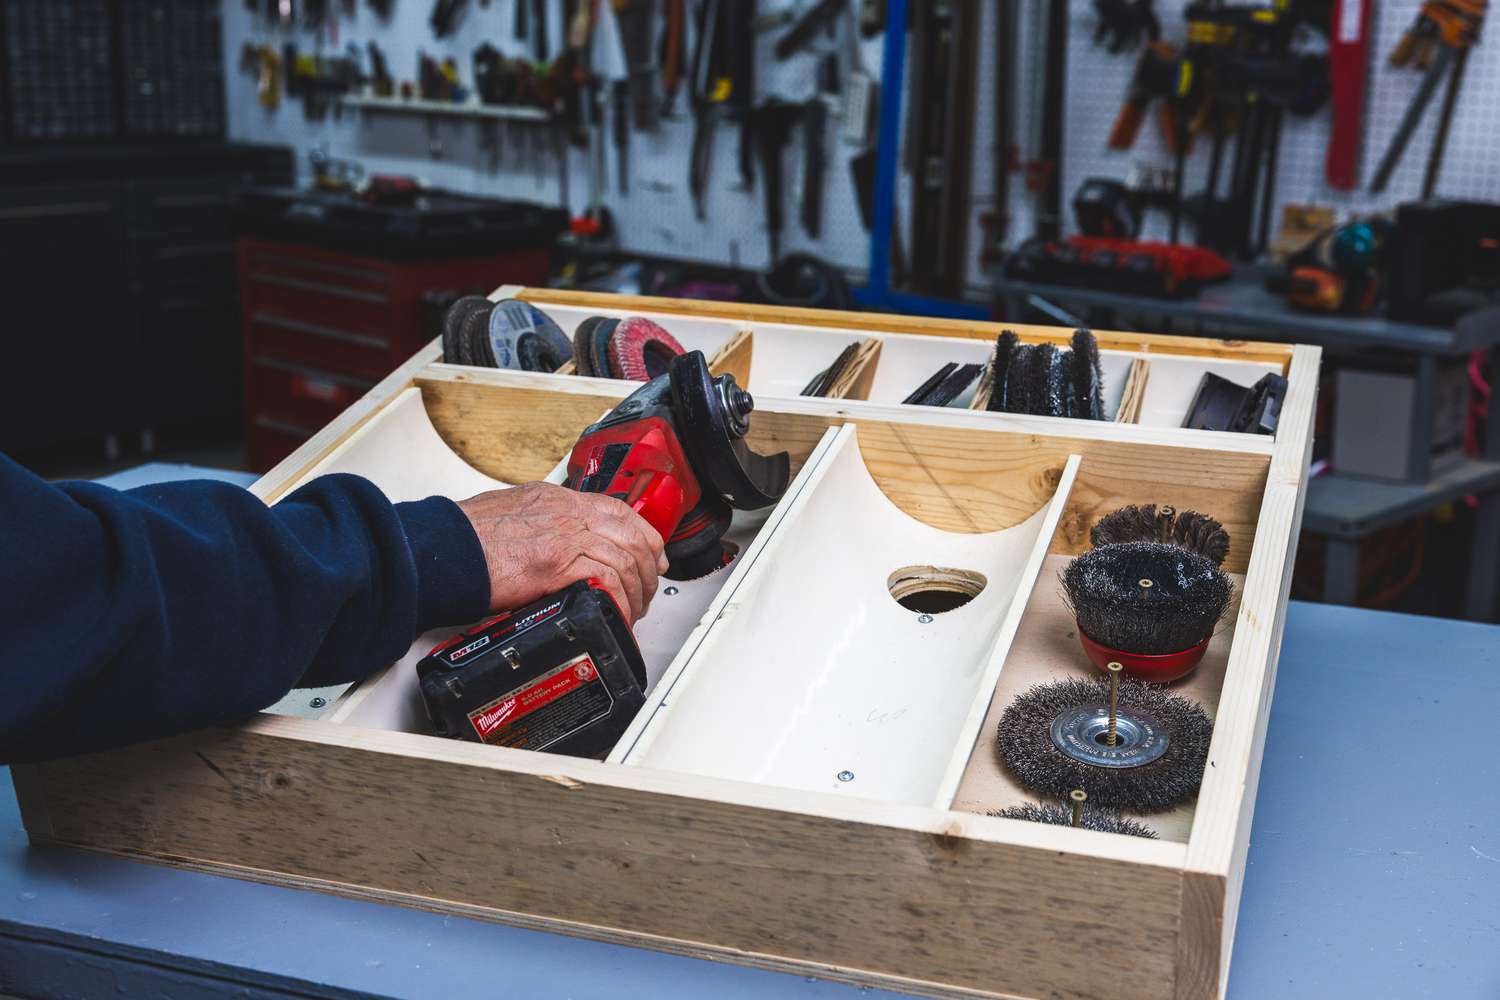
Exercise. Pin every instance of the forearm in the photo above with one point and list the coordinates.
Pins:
(135, 615)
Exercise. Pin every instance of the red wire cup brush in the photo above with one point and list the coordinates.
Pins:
(1150, 606)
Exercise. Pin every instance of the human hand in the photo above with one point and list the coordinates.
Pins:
(539, 538)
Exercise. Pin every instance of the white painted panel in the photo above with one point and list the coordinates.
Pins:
(812, 669)
(906, 361)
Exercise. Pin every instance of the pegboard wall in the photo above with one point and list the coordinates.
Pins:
(1468, 172)
(657, 216)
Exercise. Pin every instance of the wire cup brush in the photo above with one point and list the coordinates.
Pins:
(1127, 744)
(1149, 523)
(1150, 606)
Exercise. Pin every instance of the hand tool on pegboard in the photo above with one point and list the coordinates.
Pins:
(1044, 170)
(673, 54)
(1123, 23)
(996, 222)
(1246, 77)
(638, 22)
(817, 18)
(1348, 68)
(770, 126)
(814, 163)
(621, 124)
(940, 124)
(445, 14)
(1437, 42)
(565, 674)
(1160, 75)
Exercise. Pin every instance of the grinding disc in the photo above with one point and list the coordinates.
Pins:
(599, 347)
(474, 340)
(460, 310)
(522, 336)
(582, 337)
(640, 350)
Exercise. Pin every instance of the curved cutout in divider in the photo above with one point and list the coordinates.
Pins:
(812, 677)
(402, 453)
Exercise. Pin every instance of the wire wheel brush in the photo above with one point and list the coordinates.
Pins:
(1101, 820)
(1152, 606)
(1055, 738)
(1042, 380)
(1149, 523)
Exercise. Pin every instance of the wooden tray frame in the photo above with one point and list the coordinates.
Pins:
(927, 900)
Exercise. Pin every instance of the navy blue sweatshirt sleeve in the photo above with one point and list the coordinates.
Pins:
(133, 615)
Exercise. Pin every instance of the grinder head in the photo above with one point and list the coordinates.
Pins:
(712, 416)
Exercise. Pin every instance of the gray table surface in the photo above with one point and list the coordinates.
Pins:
(1374, 871)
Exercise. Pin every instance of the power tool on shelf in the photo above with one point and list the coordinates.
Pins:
(564, 674)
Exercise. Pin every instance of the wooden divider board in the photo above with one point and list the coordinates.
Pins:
(931, 900)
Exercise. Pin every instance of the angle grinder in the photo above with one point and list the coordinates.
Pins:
(564, 674)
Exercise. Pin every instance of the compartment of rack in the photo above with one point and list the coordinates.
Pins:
(858, 646)
(770, 360)
(402, 452)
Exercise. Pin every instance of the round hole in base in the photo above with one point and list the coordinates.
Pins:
(932, 590)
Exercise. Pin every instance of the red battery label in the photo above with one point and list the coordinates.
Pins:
(545, 709)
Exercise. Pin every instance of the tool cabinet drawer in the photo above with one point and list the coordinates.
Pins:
(319, 345)
(813, 780)
(299, 395)
(352, 297)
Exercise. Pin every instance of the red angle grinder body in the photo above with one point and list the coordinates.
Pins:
(564, 674)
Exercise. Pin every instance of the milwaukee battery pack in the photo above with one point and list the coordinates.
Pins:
(563, 675)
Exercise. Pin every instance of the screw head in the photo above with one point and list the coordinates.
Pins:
(318, 702)
(846, 775)
(670, 591)
(925, 619)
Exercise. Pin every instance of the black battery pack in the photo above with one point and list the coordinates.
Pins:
(562, 675)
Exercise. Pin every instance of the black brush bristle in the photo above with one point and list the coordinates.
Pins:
(1044, 381)
(1026, 747)
(1087, 377)
(1102, 820)
(1185, 600)
(1201, 534)
(1001, 365)
(1148, 523)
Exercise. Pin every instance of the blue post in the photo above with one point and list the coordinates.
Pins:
(888, 148)
(878, 292)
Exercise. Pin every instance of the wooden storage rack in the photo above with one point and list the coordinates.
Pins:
(930, 896)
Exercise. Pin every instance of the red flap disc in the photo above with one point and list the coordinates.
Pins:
(640, 350)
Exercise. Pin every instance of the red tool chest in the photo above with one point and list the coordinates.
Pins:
(321, 327)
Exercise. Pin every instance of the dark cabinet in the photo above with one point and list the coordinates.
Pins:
(120, 287)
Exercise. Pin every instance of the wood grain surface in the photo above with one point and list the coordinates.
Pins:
(925, 896)
(951, 470)
(1244, 350)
